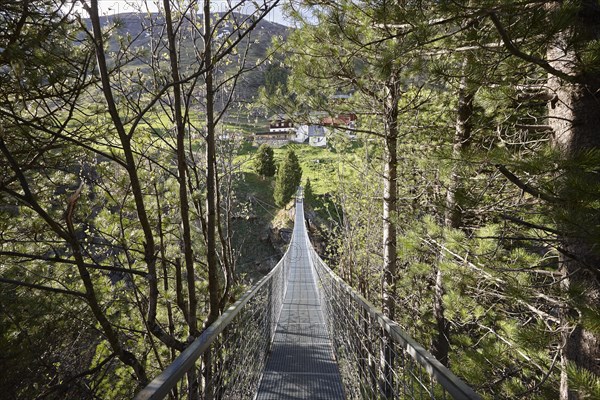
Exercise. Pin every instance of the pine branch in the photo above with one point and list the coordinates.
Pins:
(525, 187)
(529, 224)
(42, 287)
(534, 128)
(514, 50)
(66, 382)
(60, 260)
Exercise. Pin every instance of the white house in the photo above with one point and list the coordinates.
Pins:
(314, 133)
(301, 134)
(317, 136)
(281, 124)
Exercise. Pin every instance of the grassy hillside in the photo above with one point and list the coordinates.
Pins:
(323, 166)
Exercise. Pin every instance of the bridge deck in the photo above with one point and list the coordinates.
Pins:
(301, 364)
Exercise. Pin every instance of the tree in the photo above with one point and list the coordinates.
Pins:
(92, 207)
(264, 163)
(275, 78)
(289, 175)
(488, 203)
(309, 196)
(556, 44)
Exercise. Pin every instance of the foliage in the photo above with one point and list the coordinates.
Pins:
(275, 78)
(289, 175)
(309, 196)
(104, 168)
(105, 234)
(478, 144)
(264, 163)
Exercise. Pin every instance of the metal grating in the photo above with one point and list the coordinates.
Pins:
(302, 363)
(376, 358)
(277, 386)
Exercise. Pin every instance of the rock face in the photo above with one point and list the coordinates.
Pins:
(317, 239)
(280, 238)
(285, 235)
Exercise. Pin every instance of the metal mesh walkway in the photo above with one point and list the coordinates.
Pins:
(301, 364)
(280, 327)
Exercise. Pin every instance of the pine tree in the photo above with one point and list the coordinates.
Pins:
(289, 175)
(309, 196)
(264, 163)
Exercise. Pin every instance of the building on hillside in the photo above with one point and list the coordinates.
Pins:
(281, 123)
(302, 133)
(273, 139)
(345, 123)
(317, 136)
(342, 120)
(281, 132)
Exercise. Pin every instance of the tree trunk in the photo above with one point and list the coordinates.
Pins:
(211, 180)
(453, 213)
(136, 185)
(181, 175)
(575, 120)
(390, 199)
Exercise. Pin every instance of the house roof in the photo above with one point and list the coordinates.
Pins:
(315, 130)
(280, 117)
(342, 119)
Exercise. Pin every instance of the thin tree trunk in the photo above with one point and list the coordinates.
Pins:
(390, 199)
(452, 214)
(136, 187)
(211, 181)
(227, 255)
(70, 237)
(109, 332)
(182, 179)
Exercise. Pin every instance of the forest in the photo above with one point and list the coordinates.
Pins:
(464, 201)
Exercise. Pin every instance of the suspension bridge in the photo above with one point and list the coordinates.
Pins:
(302, 333)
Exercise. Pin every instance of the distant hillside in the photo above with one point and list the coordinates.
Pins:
(141, 29)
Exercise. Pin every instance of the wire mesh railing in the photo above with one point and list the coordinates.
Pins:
(377, 359)
(226, 361)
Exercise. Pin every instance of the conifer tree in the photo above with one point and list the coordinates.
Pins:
(309, 196)
(60, 184)
(499, 115)
(264, 163)
(289, 175)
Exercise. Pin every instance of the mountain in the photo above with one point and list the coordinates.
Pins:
(141, 32)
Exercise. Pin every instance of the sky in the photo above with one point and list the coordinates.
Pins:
(111, 7)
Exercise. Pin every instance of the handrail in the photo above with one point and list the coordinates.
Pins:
(442, 375)
(164, 383)
(403, 363)
(160, 386)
